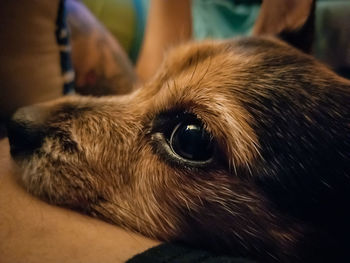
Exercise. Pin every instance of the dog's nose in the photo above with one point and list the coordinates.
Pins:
(25, 130)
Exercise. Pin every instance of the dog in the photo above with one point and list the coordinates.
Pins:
(239, 146)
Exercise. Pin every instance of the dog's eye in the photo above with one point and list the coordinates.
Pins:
(191, 141)
(180, 138)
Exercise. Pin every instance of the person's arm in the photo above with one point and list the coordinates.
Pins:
(33, 231)
(169, 23)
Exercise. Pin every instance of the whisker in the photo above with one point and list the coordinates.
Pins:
(206, 72)
(195, 68)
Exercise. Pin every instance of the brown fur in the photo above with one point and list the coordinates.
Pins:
(280, 174)
(101, 156)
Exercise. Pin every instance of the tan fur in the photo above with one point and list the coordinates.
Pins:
(105, 166)
(113, 149)
(277, 117)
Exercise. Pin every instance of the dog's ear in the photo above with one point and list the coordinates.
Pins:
(291, 20)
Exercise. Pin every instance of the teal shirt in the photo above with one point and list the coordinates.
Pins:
(220, 19)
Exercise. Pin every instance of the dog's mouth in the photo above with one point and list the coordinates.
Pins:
(24, 139)
(25, 132)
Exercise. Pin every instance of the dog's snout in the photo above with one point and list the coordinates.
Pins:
(25, 130)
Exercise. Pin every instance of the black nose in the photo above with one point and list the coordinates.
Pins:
(25, 132)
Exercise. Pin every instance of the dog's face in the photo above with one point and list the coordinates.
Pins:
(239, 145)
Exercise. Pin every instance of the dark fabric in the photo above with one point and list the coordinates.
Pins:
(181, 254)
(62, 38)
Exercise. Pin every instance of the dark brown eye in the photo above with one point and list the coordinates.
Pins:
(191, 141)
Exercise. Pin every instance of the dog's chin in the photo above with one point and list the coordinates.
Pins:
(32, 177)
(26, 174)
(39, 178)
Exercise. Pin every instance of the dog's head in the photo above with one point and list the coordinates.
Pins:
(241, 145)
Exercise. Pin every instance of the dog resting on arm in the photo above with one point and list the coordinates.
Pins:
(238, 146)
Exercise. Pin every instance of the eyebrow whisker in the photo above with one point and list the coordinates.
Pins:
(206, 71)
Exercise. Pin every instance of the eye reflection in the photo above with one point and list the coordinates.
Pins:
(192, 142)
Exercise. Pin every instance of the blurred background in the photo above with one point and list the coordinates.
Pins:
(222, 19)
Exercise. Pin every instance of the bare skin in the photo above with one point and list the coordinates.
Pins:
(33, 231)
(169, 23)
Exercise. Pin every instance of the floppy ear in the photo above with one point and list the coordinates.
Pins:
(291, 20)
